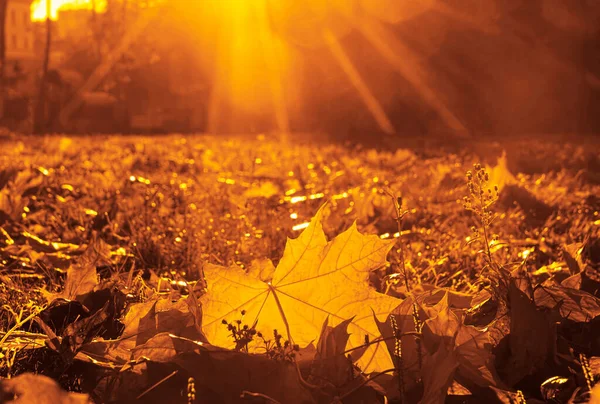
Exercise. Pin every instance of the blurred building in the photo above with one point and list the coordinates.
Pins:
(21, 60)
(19, 32)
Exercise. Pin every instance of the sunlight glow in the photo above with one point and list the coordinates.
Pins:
(38, 8)
(367, 97)
(250, 62)
(407, 64)
(297, 199)
(301, 226)
(255, 56)
(253, 50)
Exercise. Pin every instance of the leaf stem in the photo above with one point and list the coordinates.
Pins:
(397, 201)
(283, 317)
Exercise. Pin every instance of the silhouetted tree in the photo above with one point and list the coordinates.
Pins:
(39, 119)
(3, 8)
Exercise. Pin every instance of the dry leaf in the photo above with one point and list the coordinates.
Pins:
(573, 304)
(572, 256)
(83, 331)
(145, 320)
(476, 362)
(82, 277)
(80, 280)
(262, 269)
(439, 338)
(400, 322)
(225, 374)
(527, 354)
(438, 372)
(330, 362)
(164, 347)
(37, 389)
(470, 347)
(314, 279)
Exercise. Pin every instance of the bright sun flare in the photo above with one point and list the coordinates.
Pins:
(38, 8)
(254, 47)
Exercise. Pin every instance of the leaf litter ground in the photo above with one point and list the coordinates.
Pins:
(204, 269)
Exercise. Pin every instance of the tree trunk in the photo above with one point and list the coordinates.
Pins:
(3, 9)
(40, 119)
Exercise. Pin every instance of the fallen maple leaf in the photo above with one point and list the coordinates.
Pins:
(572, 256)
(76, 334)
(82, 276)
(80, 281)
(219, 372)
(145, 320)
(334, 373)
(438, 373)
(313, 280)
(465, 354)
(400, 322)
(572, 304)
(470, 347)
(331, 365)
(527, 355)
(29, 389)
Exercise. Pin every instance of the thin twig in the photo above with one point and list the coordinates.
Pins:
(397, 201)
(246, 395)
(164, 379)
(397, 357)
(382, 339)
(19, 324)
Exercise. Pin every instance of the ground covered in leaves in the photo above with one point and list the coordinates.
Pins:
(218, 270)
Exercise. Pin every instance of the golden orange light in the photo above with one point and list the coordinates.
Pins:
(256, 46)
(254, 52)
(38, 8)
(250, 61)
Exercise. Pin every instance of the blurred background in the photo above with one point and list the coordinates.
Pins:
(350, 68)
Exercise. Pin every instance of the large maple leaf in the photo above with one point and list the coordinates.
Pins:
(315, 279)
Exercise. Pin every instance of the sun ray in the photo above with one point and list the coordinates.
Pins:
(252, 63)
(272, 57)
(367, 97)
(217, 92)
(483, 23)
(406, 63)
